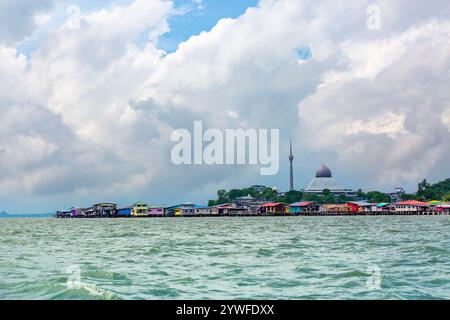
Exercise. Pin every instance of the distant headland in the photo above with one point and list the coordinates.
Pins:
(25, 215)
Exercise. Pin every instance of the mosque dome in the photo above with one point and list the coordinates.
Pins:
(323, 172)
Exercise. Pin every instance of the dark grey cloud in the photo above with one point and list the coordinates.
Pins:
(17, 18)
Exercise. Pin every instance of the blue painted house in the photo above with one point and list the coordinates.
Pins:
(187, 209)
(303, 207)
(124, 212)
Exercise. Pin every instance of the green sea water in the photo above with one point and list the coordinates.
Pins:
(386, 257)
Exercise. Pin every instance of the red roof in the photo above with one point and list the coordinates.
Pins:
(302, 204)
(271, 204)
(413, 203)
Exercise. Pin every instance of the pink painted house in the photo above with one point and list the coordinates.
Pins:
(155, 211)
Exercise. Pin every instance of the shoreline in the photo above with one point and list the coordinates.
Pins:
(260, 216)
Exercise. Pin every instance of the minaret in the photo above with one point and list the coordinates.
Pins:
(291, 173)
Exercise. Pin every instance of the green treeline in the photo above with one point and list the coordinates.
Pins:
(269, 194)
(425, 192)
(428, 192)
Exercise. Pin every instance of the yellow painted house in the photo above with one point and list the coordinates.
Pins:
(178, 212)
(139, 209)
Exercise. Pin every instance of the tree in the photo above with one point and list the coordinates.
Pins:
(434, 191)
(328, 199)
(250, 191)
(423, 185)
(360, 194)
(377, 197)
(270, 194)
(222, 197)
(235, 193)
(212, 203)
(408, 196)
(326, 192)
(311, 197)
(342, 199)
(221, 193)
(293, 196)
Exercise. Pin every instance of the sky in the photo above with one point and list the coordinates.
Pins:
(92, 90)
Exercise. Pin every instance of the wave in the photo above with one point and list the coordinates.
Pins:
(100, 274)
(86, 291)
(392, 230)
(261, 252)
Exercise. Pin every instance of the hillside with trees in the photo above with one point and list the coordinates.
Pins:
(425, 192)
(436, 191)
(267, 193)
(270, 194)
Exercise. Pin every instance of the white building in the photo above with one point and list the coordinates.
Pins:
(324, 180)
(411, 207)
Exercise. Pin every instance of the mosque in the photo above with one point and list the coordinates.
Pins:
(323, 180)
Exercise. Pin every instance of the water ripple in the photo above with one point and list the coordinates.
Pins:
(230, 258)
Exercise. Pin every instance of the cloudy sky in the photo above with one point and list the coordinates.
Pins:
(90, 92)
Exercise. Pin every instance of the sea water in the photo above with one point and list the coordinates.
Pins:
(382, 257)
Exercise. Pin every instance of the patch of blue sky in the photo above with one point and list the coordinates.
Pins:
(197, 16)
(191, 17)
(304, 53)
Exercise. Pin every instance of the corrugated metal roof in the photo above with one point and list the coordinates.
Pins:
(271, 204)
(301, 204)
(413, 203)
(383, 204)
(361, 203)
